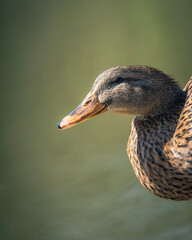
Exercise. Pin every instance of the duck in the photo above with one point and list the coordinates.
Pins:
(160, 143)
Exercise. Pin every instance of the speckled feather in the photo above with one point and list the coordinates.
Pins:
(160, 149)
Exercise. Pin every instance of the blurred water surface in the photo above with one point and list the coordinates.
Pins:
(78, 184)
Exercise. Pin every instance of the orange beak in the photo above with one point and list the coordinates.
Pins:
(90, 107)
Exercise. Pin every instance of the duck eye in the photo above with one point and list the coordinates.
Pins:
(119, 80)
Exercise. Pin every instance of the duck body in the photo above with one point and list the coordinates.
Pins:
(160, 151)
(160, 143)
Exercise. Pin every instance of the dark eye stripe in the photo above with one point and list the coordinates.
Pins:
(119, 80)
(128, 79)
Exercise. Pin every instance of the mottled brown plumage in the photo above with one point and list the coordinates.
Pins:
(160, 150)
(160, 143)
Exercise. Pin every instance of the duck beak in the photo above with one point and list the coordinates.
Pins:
(90, 107)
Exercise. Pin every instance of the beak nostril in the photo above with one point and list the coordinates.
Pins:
(87, 102)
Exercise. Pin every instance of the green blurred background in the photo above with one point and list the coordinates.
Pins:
(78, 184)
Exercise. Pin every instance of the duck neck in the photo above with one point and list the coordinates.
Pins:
(149, 149)
(171, 108)
(165, 123)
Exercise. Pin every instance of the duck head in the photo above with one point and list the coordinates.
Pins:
(133, 90)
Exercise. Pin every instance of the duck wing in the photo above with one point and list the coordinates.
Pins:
(182, 139)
